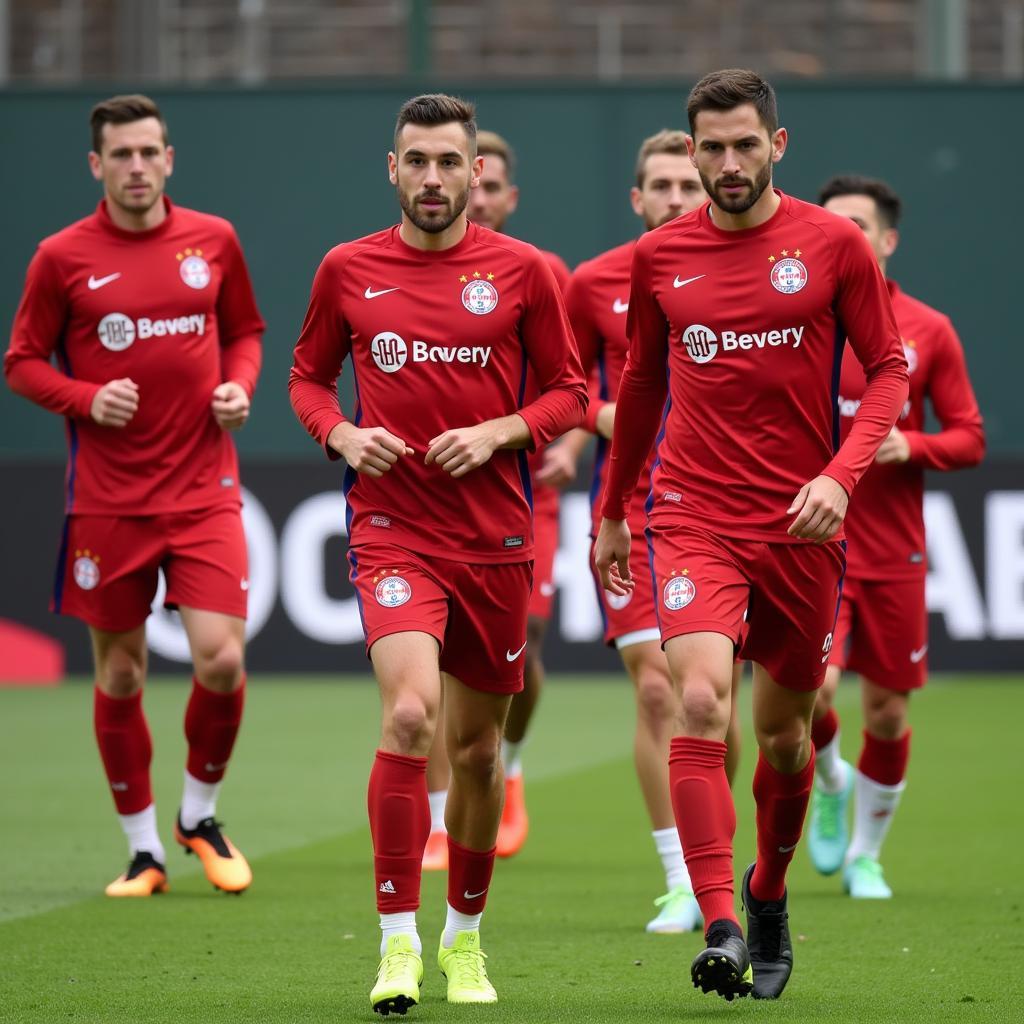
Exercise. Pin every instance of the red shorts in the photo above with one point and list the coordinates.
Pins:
(475, 612)
(776, 602)
(882, 632)
(631, 619)
(107, 572)
(545, 547)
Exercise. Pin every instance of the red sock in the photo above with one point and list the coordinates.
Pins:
(885, 761)
(126, 749)
(211, 725)
(706, 819)
(824, 729)
(399, 824)
(781, 802)
(469, 877)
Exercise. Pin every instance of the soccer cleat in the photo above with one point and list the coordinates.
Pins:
(225, 867)
(863, 880)
(514, 822)
(827, 834)
(144, 876)
(724, 967)
(771, 951)
(435, 853)
(463, 966)
(399, 977)
(679, 912)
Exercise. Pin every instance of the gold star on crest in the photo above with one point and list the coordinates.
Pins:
(798, 254)
(490, 277)
(476, 273)
(463, 279)
(771, 259)
(785, 252)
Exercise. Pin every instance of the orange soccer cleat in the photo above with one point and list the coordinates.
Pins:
(143, 877)
(514, 822)
(225, 867)
(435, 853)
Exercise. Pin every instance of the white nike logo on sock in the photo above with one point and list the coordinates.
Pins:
(789, 849)
(473, 895)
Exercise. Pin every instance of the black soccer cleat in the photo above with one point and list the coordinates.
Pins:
(771, 951)
(724, 967)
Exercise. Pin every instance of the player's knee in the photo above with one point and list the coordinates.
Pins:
(888, 719)
(701, 708)
(786, 748)
(410, 726)
(478, 757)
(655, 700)
(220, 667)
(121, 675)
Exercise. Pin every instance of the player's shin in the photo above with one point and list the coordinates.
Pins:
(212, 721)
(880, 781)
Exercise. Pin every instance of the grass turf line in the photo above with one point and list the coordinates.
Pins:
(564, 926)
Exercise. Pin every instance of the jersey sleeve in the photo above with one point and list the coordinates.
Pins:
(580, 307)
(865, 312)
(38, 328)
(642, 390)
(961, 442)
(319, 354)
(551, 350)
(559, 269)
(241, 326)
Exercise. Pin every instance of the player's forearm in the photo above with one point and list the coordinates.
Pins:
(593, 411)
(241, 359)
(39, 381)
(557, 410)
(316, 405)
(575, 442)
(954, 448)
(638, 412)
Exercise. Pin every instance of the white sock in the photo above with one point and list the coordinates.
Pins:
(828, 768)
(456, 922)
(142, 835)
(670, 850)
(399, 924)
(437, 801)
(512, 758)
(873, 810)
(198, 801)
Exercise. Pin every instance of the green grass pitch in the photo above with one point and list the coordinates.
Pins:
(564, 925)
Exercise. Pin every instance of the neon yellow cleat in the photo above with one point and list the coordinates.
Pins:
(678, 912)
(399, 977)
(463, 966)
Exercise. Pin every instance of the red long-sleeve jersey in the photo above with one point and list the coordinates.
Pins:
(173, 309)
(885, 521)
(745, 331)
(439, 340)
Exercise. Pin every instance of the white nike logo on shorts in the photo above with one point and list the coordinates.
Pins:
(371, 294)
(916, 656)
(618, 306)
(99, 282)
(509, 656)
(679, 284)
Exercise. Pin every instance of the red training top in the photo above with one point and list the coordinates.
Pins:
(439, 340)
(751, 325)
(885, 523)
(173, 309)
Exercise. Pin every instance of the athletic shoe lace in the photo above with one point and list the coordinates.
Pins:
(680, 892)
(470, 965)
(396, 964)
(828, 815)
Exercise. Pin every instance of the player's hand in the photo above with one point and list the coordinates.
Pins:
(611, 556)
(558, 467)
(463, 449)
(230, 405)
(895, 448)
(369, 450)
(115, 403)
(606, 420)
(821, 508)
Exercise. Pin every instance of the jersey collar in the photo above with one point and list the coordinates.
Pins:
(103, 218)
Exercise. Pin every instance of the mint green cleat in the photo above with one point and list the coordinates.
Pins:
(863, 880)
(679, 913)
(463, 966)
(399, 977)
(827, 833)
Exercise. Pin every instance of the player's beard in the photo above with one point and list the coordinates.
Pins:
(433, 223)
(650, 223)
(738, 204)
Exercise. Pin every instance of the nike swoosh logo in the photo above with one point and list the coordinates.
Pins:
(467, 895)
(509, 656)
(618, 306)
(371, 294)
(679, 284)
(788, 849)
(916, 656)
(99, 282)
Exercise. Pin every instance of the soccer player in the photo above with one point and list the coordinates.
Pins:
(491, 203)
(149, 311)
(667, 185)
(441, 319)
(882, 630)
(739, 310)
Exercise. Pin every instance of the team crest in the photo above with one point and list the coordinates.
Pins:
(788, 275)
(679, 591)
(910, 352)
(194, 270)
(86, 569)
(392, 590)
(479, 296)
(618, 601)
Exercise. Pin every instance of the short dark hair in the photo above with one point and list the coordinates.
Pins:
(493, 144)
(438, 108)
(123, 110)
(730, 88)
(887, 202)
(666, 141)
